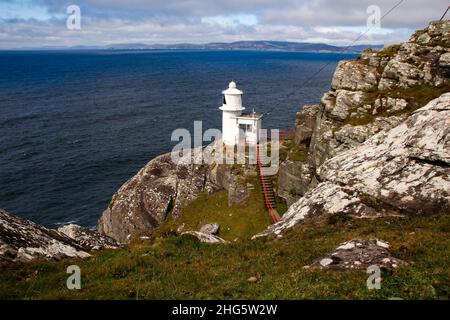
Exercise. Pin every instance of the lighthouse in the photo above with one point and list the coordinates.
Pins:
(237, 125)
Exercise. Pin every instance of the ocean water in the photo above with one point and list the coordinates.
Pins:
(75, 125)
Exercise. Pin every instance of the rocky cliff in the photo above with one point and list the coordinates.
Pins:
(378, 144)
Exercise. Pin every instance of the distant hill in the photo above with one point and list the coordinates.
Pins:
(238, 45)
(248, 45)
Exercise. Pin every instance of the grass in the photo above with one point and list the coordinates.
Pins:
(298, 153)
(281, 208)
(389, 51)
(238, 221)
(291, 151)
(182, 268)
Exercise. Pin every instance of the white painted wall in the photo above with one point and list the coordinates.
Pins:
(228, 127)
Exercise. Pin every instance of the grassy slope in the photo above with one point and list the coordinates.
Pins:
(240, 221)
(180, 267)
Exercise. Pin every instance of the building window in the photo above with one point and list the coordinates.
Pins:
(247, 128)
(224, 101)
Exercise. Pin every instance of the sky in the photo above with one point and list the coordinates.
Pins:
(37, 23)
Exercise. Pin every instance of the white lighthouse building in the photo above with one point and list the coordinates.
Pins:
(237, 125)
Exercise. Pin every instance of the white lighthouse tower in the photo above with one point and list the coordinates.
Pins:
(234, 121)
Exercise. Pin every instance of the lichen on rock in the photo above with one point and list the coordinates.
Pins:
(404, 170)
(359, 254)
(374, 138)
(24, 240)
(144, 201)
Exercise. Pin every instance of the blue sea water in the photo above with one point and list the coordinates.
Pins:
(75, 125)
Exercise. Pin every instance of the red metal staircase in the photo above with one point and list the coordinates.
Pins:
(266, 182)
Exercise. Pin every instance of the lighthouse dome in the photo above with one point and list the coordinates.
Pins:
(232, 99)
(232, 89)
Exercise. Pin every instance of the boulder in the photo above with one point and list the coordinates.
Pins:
(359, 254)
(210, 228)
(204, 237)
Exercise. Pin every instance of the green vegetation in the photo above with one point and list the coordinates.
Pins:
(281, 208)
(293, 191)
(418, 96)
(389, 51)
(298, 153)
(238, 221)
(289, 150)
(183, 268)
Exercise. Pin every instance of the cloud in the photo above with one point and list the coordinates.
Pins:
(42, 22)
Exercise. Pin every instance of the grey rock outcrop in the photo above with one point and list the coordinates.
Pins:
(355, 77)
(402, 171)
(359, 254)
(90, 239)
(350, 136)
(406, 167)
(294, 179)
(371, 94)
(238, 192)
(304, 123)
(144, 201)
(326, 199)
(414, 65)
(377, 84)
(163, 187)
(444, 60)
(24, 240)
(232, 178)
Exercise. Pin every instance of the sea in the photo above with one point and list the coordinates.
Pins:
(75, 125)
